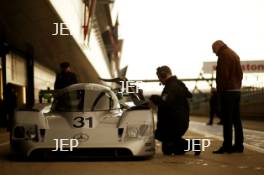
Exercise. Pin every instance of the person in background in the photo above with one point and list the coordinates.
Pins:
(66, 77)
(46, 95)
(214, 108)
(229, 77)
(10, 103)
(173, 113)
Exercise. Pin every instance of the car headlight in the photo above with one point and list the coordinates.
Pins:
(132, 132)
(145, 130)
(32, 132)
(139, 131)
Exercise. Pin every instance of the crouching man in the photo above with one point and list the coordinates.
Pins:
(173, 113)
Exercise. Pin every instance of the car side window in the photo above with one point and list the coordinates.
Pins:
(102, 102)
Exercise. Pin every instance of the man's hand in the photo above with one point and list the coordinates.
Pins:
(155, 99)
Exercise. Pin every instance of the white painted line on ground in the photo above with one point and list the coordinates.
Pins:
(213, 134)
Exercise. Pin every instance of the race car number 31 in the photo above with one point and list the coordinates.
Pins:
(79, 122)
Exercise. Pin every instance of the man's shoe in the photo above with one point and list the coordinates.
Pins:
(167, 148)
(237, 149)
(177, 152)
(222, 150)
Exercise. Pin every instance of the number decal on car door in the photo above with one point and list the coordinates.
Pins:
(79, 122)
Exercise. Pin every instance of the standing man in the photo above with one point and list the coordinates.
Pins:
(10, 104)
(229, 77)
(173, 113)
(66, 77)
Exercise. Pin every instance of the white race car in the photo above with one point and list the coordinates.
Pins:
(84, 120)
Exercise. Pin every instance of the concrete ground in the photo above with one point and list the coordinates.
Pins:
(250, 162)
(253, 132)
(247, 124)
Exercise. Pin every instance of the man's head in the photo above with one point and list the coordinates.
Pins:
(217, 45)
(163, 73)
(65, 66)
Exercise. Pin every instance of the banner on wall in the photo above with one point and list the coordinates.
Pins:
(252, 66)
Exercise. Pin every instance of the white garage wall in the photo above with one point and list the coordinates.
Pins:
(16, 74)
(16, 69)
(43, 78)
(71, 12)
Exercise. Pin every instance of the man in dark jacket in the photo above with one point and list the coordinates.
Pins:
(66, 77)
(229, 77)
(10, 104)
(173, 112)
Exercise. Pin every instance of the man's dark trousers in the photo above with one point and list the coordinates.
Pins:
(230, 110)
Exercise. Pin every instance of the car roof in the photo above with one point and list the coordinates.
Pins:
(86, 86)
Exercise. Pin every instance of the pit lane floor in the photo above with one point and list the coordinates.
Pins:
(253, 137)
(250, 162)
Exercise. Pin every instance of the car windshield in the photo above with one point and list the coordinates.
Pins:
(72, 101)
(83, 101)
